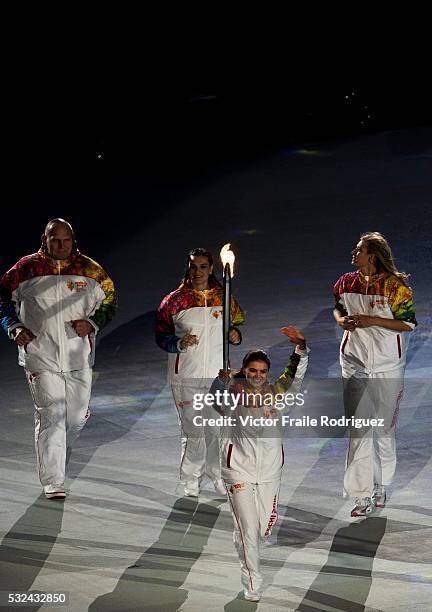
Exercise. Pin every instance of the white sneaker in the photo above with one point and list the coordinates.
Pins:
(252, 595)
(379, 496)
(220, 487)
(191, 489)
(54, 491)
(363, 506)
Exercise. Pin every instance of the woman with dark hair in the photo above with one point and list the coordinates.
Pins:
(252, 454)
(189, 328)
(374, 307)
(190, 267)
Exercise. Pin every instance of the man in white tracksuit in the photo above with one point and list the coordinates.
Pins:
(374, 307)
(189, 328)
(252, 454)
(52, 304)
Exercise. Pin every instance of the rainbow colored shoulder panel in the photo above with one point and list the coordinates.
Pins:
(39, 265)
(182, 299)
(26, 268)
(178, 300)
(400, 297)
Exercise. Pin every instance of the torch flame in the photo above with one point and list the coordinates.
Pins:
(227, 256)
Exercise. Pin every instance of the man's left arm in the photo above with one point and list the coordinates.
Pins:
(106, 306)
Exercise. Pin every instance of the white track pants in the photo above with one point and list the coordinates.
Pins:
(200, 453)
(61, 401)
(254, 510)
(371, 454)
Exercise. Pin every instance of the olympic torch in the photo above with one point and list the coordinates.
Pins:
(227, 257)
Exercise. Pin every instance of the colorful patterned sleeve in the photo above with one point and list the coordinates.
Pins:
(164, 329)
(108, 307)
(285, 380)
(237, 318)
(401, 304)
(338, 299)
(8, 313)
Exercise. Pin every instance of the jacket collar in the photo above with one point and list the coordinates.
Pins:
(372, 278)
(188, 285)
(62, 263)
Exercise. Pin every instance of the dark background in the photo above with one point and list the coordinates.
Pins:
(104, 153)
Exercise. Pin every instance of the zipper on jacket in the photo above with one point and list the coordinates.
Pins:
(258, 459)
(59, 310)
(205, 336)
(370, 344)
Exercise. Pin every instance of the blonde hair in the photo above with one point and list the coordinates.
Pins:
(383, 260)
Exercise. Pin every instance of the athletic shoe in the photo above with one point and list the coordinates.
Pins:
(54, 491)
(191, 489)
(220, 487)
(379, 496)
(363, 506)
(252, 595)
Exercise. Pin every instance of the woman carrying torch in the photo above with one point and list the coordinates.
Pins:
(189, 328)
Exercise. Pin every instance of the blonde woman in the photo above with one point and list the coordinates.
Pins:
(374, 307)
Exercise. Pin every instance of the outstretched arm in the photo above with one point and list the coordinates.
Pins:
(292, 377)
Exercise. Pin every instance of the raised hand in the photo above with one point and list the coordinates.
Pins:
(295, 336)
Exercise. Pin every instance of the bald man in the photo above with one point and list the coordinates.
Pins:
(52, 304)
